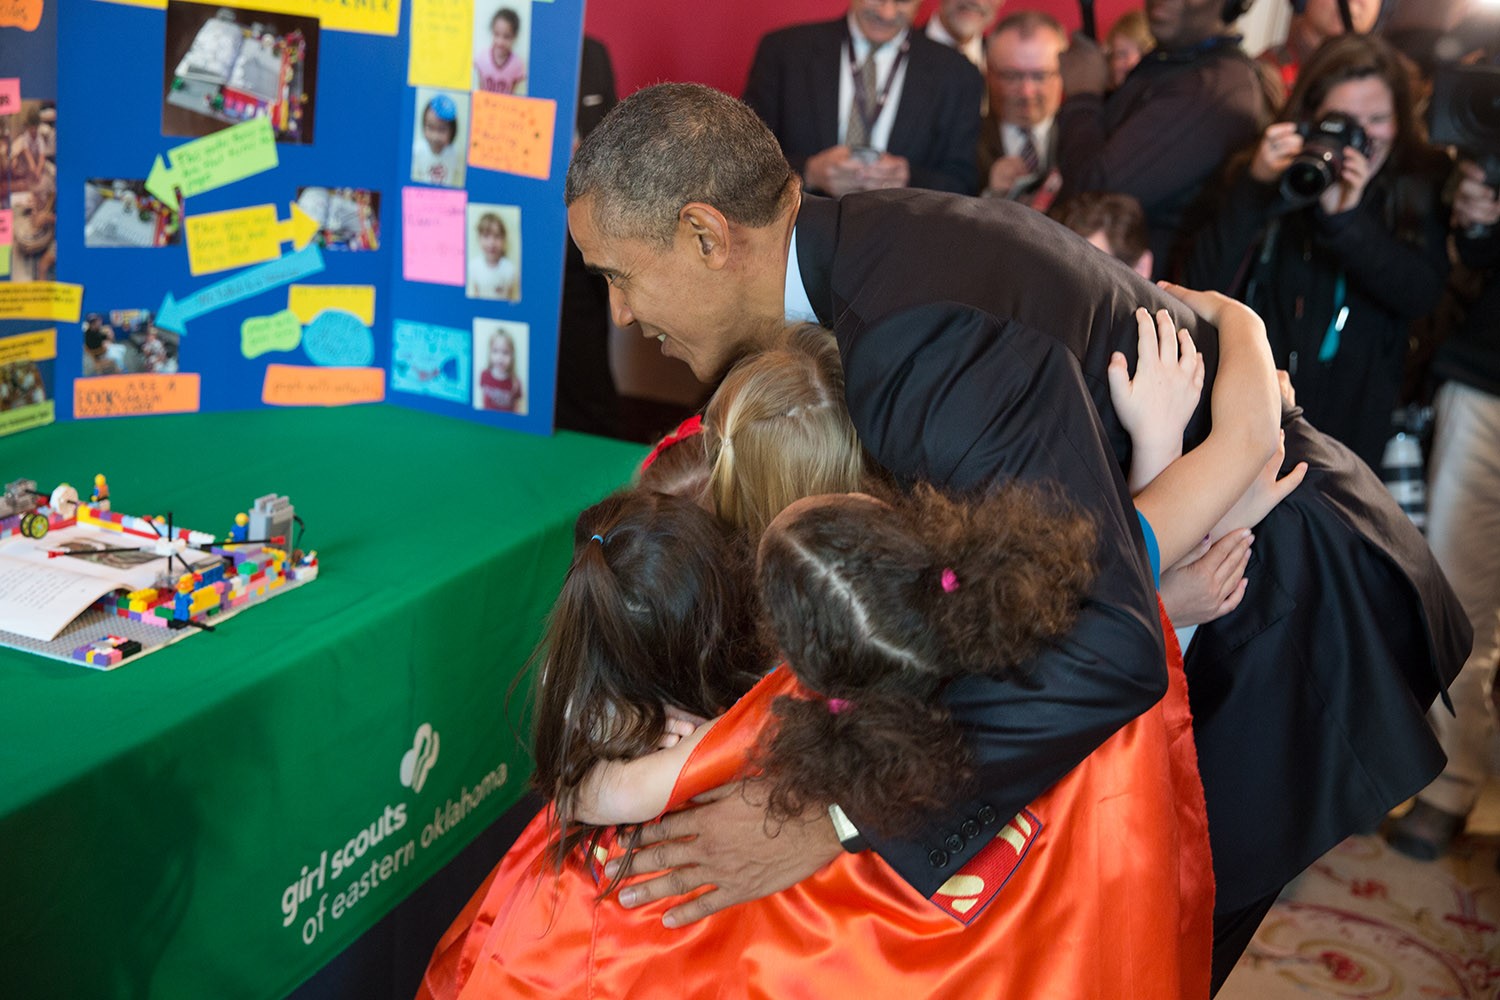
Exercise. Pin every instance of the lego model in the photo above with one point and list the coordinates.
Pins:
(179, 580)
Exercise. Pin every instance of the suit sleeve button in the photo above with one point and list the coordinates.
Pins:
(970, 829)
(953, 842)
(938, 858)
(987, 815)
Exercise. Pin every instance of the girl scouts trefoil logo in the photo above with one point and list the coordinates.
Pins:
(419, 759)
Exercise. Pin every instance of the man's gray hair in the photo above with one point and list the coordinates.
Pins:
(671, 144)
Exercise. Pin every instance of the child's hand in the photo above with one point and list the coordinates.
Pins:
(679, 726)
(1155, 405)
(1263, 495)
(1208, 582)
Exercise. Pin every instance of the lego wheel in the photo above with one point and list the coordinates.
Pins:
(33, 525)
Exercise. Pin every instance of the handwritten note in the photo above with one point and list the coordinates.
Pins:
(278, 332)
(441, 39)
(370, 17)
(41, 300)
(218, 241)
(133, 395)
(431, 360)
(5, 227)
(433, 235)
(40, 345)
(337, 338)
(213, 161)
(300, 385)
(309, 300)
(23, 14)
(513, 134)
(10, 95)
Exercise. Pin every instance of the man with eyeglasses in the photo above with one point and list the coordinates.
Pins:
(864, 102)
(1017, 140)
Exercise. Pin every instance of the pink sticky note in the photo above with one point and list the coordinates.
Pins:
(10, 95)
(432, 230)
(5, 237)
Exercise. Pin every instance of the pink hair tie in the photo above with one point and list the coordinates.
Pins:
(949, 580)
(838, 705)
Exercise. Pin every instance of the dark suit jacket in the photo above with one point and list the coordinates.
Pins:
(965, 394)
(794, 87)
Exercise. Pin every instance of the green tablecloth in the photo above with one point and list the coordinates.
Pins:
(219, 818)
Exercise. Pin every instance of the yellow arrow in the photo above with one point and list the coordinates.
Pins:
(300, 228)
(218, 241)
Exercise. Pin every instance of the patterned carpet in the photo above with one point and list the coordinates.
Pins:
(1366, 922)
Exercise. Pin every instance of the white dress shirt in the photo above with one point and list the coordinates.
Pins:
(885, 58)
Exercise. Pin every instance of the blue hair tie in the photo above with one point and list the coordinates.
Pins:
(597, 538)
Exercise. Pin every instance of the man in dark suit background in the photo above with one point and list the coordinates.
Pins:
(1018, 138)
(865, 102)
(713, 249)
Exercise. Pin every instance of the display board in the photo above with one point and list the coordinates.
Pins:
(213, 207)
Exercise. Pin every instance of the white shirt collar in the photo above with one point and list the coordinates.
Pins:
(795, 301)
(862, 44)
(972, 50)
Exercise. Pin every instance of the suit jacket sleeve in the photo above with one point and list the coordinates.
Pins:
(954, 396)
(950, 115)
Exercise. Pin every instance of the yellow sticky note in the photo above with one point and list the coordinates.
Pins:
(308, 385)
(41, 300)
(513, 134)
(307, 301)
(133, 395)
(40, 345)
(23, 14)
(218, 241)
(277, 332)
(371, 17)
(441, 41)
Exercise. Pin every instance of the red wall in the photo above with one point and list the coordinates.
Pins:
(713, 41)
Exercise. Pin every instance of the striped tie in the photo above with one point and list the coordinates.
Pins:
(858, 132)
(1028, 153)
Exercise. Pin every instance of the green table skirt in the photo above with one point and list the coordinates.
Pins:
(219, 818)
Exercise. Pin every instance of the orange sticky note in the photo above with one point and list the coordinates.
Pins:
(23, 14)
(132, 395)
(310, 385)
(513, 134)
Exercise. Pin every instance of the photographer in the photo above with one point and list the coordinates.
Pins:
(1333, 229)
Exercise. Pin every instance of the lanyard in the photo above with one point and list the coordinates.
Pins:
(1330, 348)
(866, 115)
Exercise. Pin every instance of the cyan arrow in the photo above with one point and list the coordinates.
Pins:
(174, 315)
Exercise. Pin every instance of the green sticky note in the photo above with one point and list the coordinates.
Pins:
(278, 332)
(4, 259)
(213, 161)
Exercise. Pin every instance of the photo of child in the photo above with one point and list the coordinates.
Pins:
(128, 342)
(28, 187)
(437, 152)
(500, 355)
(502, 46)
(494, 252)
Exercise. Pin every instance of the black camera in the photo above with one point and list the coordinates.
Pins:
(1465, 112)
(1321, 161)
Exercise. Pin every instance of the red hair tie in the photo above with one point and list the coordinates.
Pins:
(839, 705)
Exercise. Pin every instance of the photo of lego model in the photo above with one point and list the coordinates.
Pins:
(127, 341)
(348, 218)
(501, 352)
(121, 213)
(494, 269)
(226, 65)
(502, 46)
(438, 148)
(28, 187)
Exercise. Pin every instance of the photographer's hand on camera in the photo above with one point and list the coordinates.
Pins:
(1278, 147)
(890, 171)
(834, 171)
(1345, 193)
(1475, 202)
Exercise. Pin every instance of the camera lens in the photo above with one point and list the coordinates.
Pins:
(1309, 175)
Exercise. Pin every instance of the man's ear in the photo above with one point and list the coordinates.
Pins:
(709, 231)
(1145, 264)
